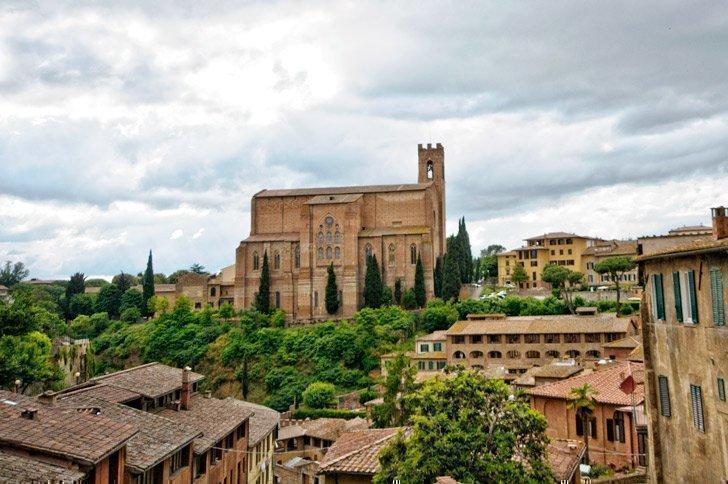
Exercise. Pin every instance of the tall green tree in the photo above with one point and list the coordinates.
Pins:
(451, 277)
(27, 358)
(373, 284)
(616, 267)
(148, 285)
(76, 285)
(437, 277)
(398, 291)
(319, 395)
(471, 428)
(399, 382)
(519, 274)
(108, 300)
(124, 281)
(420, 293)
(174, 277)
(332, 292)
(12, 273)
(465, 256)
(582, 402)
(198, 269)
(132, 298)
(562, 279)
(262, 300)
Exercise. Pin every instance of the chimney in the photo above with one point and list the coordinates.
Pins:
(29, 413)
(186, 389)
(720, 222)
(47, 397)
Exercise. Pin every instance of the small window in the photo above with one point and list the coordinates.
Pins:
(424, 348)
(430, 365)
(276, 260)
(212, 291)
(329, 253)
(337, 253)
(392, 254)
(256, 261)
(437, 347)
(315, 299)
(337, 237)
(329, 221)
(721, 389)
(320, 238)
(413, 254)
(329, 238)
(664, 391)
(513, 354)
(610, 430)
(278, 299)
(368, 251)
(297, 256)
(696, 401)
(420, 365)
(716, 292)
(320, 253)
(658, 299)
(533, 354)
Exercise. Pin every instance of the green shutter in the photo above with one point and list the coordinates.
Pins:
(693, 296)
(716, 292)
(678, 296)
(659, 297)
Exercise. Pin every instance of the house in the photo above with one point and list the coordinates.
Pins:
(564, 457)
(685, 338)
(556, 371)
(261, 443)
(429, 354)
(616, 438)
(46, 442)
(628, 348)
(518, 343)
(311, 438)
(353, 458)
(605, 249)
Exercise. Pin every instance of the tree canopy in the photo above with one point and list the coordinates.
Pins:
(615, 267)
(12, 273)
(148, 285)
(562, 279)
(420, 293)
(262, 300)
(332, 292)
(372, 283)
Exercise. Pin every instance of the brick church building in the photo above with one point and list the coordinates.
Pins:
(304, 230)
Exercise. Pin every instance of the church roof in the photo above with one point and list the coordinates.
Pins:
(302, 192)
(329, 199)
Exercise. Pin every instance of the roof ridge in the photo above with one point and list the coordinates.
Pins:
(365, 447)
(125, 370)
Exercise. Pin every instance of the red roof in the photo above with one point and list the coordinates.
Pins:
(357, 452)
(605, 382)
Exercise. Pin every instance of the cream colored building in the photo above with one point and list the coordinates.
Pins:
(429, 355)
(264, 425)
(603, 250)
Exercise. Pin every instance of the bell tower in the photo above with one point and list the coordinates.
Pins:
(431, 168)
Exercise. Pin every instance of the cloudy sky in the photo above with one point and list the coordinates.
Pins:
(150, 125)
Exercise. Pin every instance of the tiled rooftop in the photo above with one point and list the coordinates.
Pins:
(300, 192)
(263, 421)
(356, 452)
(59, 431)
(705, 245)
(104, 391)
(556, 235)
(322, 428)
(214, 417)
(19, 468)
(630, 342)
(605, 382)
(151, 380)
(439, 335)
(600, 323)
(564, 456)
(157, 439)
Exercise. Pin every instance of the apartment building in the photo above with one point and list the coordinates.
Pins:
(429, 354)
(602, 250)
(262, 442)
(685, 339)
(521, 342)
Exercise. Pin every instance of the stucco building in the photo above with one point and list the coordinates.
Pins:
(603, 250)
(685, 340)
(304, 230)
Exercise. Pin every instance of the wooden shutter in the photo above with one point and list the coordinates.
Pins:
(659, 297)
(678, 296)
(716, 292)
(696, 400)
(721, 389)
(664, 389)
(693, 297)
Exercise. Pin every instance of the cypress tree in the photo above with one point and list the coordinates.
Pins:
(372, 284)
(465, 257)
(123, 282)
(148, 285)
(332, 292)
(437, 276)
(451, 278)
(420, 294)
(262, 300)
(398, 291)
(76, 285)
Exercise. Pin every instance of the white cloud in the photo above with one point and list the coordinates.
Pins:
(198, 234)
(177, 234)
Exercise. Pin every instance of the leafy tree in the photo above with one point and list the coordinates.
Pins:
(160, 278)
(420, 294)
(615, 267)
(158, 305)
(81, 327)
(132, 298)
(582, 402)
(438, 315)
(148, 285)
(198, 269)
(398, 291)
(81, 304)
(319, 395)
(262, 300)
(519, 275)
(451, 276)
(183, 303)
(174, 277)
(108, 300)
(437, 277)
(409, 300)
(387, 296)
(493, 249)
(99, 322)
(27, 358)
(96, 282)
(131, 314)
(563, 279)
(470, 428)
(124, 281)
(332, 292)
(12, 273)
(399, 382)
(226, 311)
(76, 285)
(372, 284)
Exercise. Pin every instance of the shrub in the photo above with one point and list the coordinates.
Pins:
(319, 395)
(599, 470)
(409, 300)
(131, 315)
(367, 395)
(438, 315)
(314, 413)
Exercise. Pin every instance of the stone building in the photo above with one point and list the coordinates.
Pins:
(603, 250)
(261, 443)
(353, 458)
(304, 230)
(429, 355)
(685, 339)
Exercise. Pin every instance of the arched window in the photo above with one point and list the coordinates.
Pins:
(329, 238)
(430, 170)
(278, 299)
(459, 355)
(552, 354)
(256, 261)
(329, 252)
(593, 354)
(367, 251)
(320, 238)
(329, 221)
(477, 367)
(513, 354)
(413, 254)
(476, 354)
(320, 253)
(297, 256)
(276, 260)
(573, 353)
(337, 236)
(495, 355)
(619, 426)
(212, 291)
(337, 253)
(392, 254)
(533, 354)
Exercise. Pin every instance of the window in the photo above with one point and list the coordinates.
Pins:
(551, 338)
(200, 465)
(495, 355)
(297, 257)
(552, 354)
(716, 292)
(320, 253)
(276, 260)
(619, 426)
(610, 430)
(320, 237)
(658, 299)
(430, 170)
(329, 221)
(534, 275)
(532, 338)
(212, 291)
(440, 365)
(240, 432)
(430, 365)
(256, 261)
(592, 337)
(721, 389)
(458, 340)
(573, 353)
(533, 354)
(494, 338)
(337, 253)
(391, 254)
(413, 254)
(513, 354)
(664, 391)
(424, 348)
(329, 253)
(513, 338)
(459, 355)
(179, 460)
(677, 291)
(437, 347)
(476, 354)
(693, 296)
(315, 299)
(367, 251)
(572, 338)
(696, 401)
(534, 263)
(561, 251)
(329, 238)
(338, 238)
(278, 299)
(569, 251)
(593, 354)
(420, 365)
(475, 339)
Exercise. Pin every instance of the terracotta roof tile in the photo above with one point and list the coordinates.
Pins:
(151, 380)
(357, 452)
(632, 341)
(600, 323)
(322, 428)
(59, 431)
(20, 468)
(439, 335)
(157, 439)
(263, 421)
(104, 391)
(214, 417)
(301, 192)
(564, 456)
(553, 235)
(705, 245)
(604, 381)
